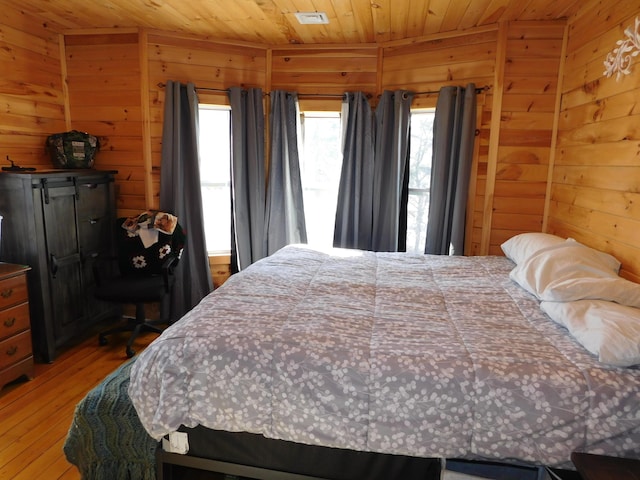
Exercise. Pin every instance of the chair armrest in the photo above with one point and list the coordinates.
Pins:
(168, 266)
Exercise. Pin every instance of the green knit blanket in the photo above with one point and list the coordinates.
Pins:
(106, 440)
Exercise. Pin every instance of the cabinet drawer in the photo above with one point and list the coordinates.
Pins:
(14, 320)
(13, 290)
(95, 233)
(15, 348)
(93, 197)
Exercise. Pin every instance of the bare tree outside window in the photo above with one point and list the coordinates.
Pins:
(419, 178)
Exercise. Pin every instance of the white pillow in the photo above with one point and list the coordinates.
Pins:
(606, 329)
(572, 271)
(520, 247)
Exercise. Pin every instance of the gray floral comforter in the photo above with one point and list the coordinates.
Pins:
(408, 354)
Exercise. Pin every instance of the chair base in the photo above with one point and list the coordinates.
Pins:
(136, 326)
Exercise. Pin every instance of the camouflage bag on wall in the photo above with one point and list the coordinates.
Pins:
(72, 149)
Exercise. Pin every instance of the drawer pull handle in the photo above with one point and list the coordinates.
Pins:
(7, 293)
(12, 350)
(53, 265)
(10, 322)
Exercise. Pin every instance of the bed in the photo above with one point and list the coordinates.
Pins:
(382, 356)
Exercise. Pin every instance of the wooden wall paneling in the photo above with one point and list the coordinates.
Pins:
(620, 105)
(614, 233)
(612, 230)
(608, 131)
(618, 153)
(207, 64)
(494, 138)
(145, 99)
(268, 70)
(204, 75)
(65, 87)
(429, 64)
(587, 61)
(596, 178)
(220, 269)
(325, 70)
(103, 74)
(379, 70)
(533, 50)
(593, 24)
(588, 47)
(611, 202)
(556, 122)
(594, 93)
(473, 199)
(481, 161)
(31, 89)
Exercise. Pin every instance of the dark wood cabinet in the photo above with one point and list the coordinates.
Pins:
(59, 222)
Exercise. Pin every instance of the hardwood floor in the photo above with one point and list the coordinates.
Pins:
(35, 414)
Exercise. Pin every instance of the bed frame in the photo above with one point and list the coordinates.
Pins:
(253, 456)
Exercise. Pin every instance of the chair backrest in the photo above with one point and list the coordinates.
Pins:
(136, 259)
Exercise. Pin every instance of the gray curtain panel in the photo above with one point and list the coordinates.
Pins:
(354, 213)
(247, 177)
(453, 137)
(391, 151)
(180, 194)
(284, 215)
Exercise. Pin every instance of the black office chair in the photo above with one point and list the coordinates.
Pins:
(145, 275)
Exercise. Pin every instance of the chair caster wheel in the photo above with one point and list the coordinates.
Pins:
(130, 352)
(102, 340)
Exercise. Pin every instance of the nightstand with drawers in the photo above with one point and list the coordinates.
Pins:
(16, 352)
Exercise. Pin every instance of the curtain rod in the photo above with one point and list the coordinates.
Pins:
(325, 95)
(431, 92)
(226, 90)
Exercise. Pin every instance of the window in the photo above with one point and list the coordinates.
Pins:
(320, 165)
(320, 168)
(419, 178)
(215, 176)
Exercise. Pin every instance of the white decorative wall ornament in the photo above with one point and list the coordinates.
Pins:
(619, 60)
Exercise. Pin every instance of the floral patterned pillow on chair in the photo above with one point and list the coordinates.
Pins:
(136, 259)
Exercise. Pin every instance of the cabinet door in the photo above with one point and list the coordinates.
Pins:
(65, 267)
(95, 233)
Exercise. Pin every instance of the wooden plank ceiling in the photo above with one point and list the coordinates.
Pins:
(272, 22)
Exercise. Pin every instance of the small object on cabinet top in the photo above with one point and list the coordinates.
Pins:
(16, 168)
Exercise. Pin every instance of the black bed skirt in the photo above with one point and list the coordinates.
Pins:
(254, 456)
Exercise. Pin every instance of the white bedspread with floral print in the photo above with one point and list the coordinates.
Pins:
(418, 355)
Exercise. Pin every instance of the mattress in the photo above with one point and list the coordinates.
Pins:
(417, 355)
